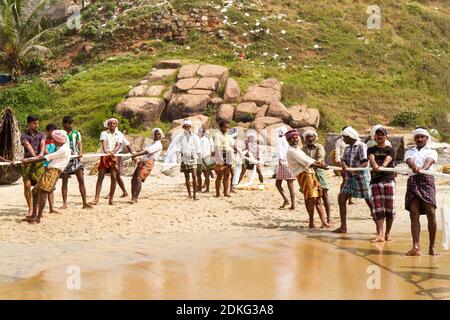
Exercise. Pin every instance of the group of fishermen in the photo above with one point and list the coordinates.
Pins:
(229, 152)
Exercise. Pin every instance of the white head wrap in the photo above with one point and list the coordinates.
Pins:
(351, 133)
(423, 132)
(282, 131)
(186, 122)
(251, 133)
(157, 130)
(309, 132)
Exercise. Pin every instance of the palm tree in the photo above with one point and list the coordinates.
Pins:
(20, 33)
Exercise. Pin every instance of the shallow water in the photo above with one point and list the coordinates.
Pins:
(263, 264)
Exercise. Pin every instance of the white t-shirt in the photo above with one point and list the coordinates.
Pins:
(206, 147)
(111, 139)
(190, 147)
(298, 161)
(223, 143)
(421, 156)
(124, 142)
(339, 148)
(60, 158)
(153, 151)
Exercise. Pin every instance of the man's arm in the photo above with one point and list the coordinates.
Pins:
(30, 149)
(42, 147)
(80, 147)
(33, 159)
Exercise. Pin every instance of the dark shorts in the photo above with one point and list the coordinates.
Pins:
(187, 168)
(74, 165)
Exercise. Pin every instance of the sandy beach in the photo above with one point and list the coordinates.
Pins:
(166, 231)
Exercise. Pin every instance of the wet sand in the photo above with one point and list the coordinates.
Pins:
(232, 265)
(166, 247)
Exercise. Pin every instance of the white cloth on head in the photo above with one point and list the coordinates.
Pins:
(421, 156)
(160, 132)
(186, 122)
(309, 132)
(351, 133)
(251, 133)
(421, 131)
(60, 158)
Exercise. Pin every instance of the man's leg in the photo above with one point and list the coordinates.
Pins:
(64, 190)
(82, 187)
(28, 196)
(290, 184)
(321, 210)
(326, 203)
(194, 183)
(279, 185)
(188, 183)
(389, 223)
(379, 223)
(218, 182)
(112, 190)
(342, 200)
(134, 184)
(42, 199)
(51, 202)
(414, 214)
(432, 227)
(122, 186)
(244, 169)
(226, 182)
(199, 180)
(310, 205)
(258, 170)
(98, 186)
(207, 180)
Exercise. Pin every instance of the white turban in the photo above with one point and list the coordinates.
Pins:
(309, 132)
(105, 123)
(157, 130)
(251, 133)
(421, 131)
(351, 133)
(186, 122)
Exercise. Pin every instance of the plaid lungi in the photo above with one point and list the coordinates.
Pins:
(74, 165)
(309, 185)
(284, 173)
(383, 194)
(420, 186)
(48, 180)
(108, 162)
(33, 172)
(144, 169)
(358, 185)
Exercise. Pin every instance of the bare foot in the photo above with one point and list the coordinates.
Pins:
(324, 225)
(63, 207)
(340, 230)
(132, 201)
(351, 202)
(432, 252)
(205, 191)
(284, 204)
(107, 196)
(413, 253)
(312, 225)
(110, 202)
(378, 239)
(227, 195)
(87, 206)
(233, 191)
(54, 211)
(217, 196)
(329, 221)
(28, 218)
(125, 195)
(94, 203)
(387, 237)
(195, 199)
(292, 207)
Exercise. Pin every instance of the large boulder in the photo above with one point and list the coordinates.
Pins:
(186, 105)
(271, 83)
(146, 91)
(142, 111)
(261, 95)
(160, 74)
(278, 110)
(188, 71)
(215, 71)
(262, 111)
(246, 112)
(168, 64)
(303, 116)
(202, 92)
(225, 112)
(208, 83)
(232, 91)
(264, 122)
(185, 84)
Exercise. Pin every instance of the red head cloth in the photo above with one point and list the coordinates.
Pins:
(291, 134)
(60, 136)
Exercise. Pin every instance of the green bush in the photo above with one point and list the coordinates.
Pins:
(406, 118)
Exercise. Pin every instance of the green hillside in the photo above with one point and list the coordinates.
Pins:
(323, 52)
